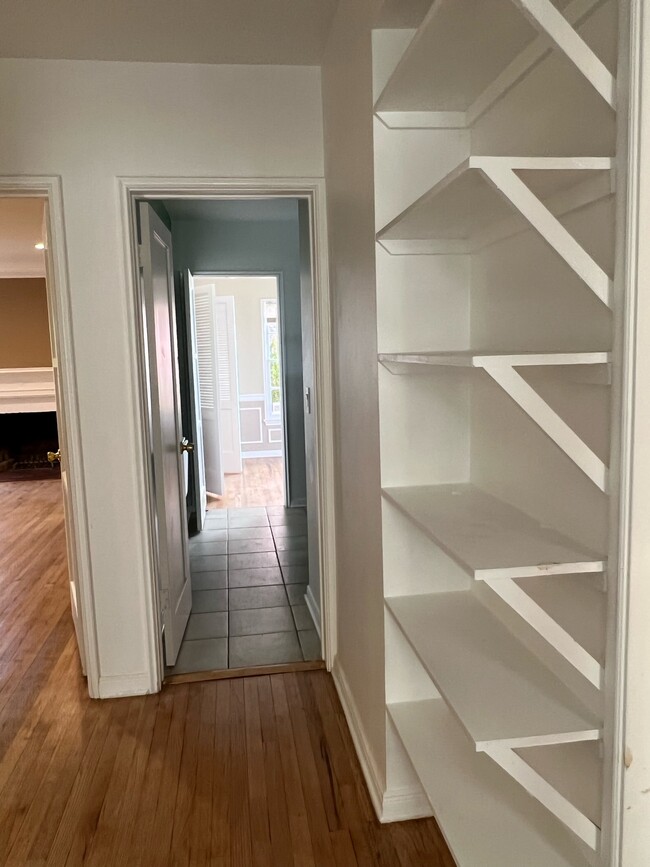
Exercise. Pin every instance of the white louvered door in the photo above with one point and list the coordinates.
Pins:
(198, 456)
(228, 384)
(207, 366)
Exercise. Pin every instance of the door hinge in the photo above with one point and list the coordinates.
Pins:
(140, 250)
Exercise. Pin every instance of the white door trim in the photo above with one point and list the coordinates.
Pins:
(312, 189)
(59, 304)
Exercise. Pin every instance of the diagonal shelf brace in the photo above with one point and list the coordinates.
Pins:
(549, 629)
(549, 227)
(547, 18)
(550, 422)
(546, 794)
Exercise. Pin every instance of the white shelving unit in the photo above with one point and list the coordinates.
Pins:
(495, 276)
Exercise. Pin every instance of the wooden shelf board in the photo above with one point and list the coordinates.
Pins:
(500, 692)
(487, 537)
(473, 358)
(577, 603)
(461, 206)
(486, 817)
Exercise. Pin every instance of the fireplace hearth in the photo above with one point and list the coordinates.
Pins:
(25, 439)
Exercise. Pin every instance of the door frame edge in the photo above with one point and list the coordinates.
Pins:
(59, 302)
(151, 188)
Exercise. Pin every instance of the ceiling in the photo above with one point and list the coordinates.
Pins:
(21, 222)
(249, 210)
(289, 32)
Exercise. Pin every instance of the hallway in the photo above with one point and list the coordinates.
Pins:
(250, 772)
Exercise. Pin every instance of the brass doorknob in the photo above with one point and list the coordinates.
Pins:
(54, 457)
(186, 445)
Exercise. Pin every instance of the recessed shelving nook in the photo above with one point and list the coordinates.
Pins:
(495, 193)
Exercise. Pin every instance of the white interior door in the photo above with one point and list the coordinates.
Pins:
(308, 380)
(207, 383)
(173, 557)
(73, 578)
(226, 335)
(198, 456)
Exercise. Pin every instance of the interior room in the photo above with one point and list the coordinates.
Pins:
(239, 329)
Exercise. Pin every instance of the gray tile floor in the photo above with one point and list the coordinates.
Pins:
(249, 577)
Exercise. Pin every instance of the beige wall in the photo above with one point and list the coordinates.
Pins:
(347, 116)
(24, 325)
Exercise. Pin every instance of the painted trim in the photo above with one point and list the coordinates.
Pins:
(22, 274)
(27, 389)
(405, 803)
(372, 776)
(277, 453)
(59, 303)
(119, 686)
(260, 439)
(313, 608)
(251, 398)
(129, 189)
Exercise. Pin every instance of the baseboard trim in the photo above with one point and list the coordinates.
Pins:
(405, 803)
(119, 686)
(313, 608)
(370, 770)
(271, 453)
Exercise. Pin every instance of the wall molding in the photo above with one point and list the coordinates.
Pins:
(121, 685)
(273, 453)
(313, 608)
(371, 773)
(404, 803)
(251, 398)
(27, 389)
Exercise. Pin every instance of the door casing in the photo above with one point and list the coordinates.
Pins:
(313, 190)
(49, 188)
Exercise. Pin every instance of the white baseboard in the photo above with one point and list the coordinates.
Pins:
(391, 805)
(368, 766)
(404, 803)
(274, 453)
(314, 609)
(118, 686)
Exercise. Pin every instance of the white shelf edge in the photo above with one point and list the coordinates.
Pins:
(554, 738)
(511, 826)
(590, 564)
(555, 30)
(470, 359)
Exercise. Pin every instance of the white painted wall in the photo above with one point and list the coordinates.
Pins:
(91, 122)
(347, 100)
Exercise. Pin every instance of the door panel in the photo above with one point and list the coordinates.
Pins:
(198, 457)
(208, 385)
(311, 464)
(73, 578)
(173, 557)
(226, 339)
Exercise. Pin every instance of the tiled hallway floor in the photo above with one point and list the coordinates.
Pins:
(249, 577)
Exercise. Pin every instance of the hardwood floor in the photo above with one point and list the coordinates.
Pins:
(254, 772)
(260, 484)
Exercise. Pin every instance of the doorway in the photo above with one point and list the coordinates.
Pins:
(38, 503)
(223, 534)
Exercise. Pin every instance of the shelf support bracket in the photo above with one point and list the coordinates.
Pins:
(550, 422)
(549, 227)
(551, 631)
(547, 18)
(544, 792)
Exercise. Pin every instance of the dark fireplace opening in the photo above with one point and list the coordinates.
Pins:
(25, 440)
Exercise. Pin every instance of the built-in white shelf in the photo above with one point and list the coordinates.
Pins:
(437, 85)
(472, 207)
(488, 538)
(399, 362)
(485, 816)
(501, 693)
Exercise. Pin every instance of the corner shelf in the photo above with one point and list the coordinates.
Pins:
(461, 213)
(502, 695)
(484, 816)
(398, 362)
(490, 539)
(436, 86)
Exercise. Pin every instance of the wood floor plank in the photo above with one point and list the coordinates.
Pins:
(245, 772)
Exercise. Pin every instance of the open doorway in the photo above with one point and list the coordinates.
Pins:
(240, 588)
(37, 562)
